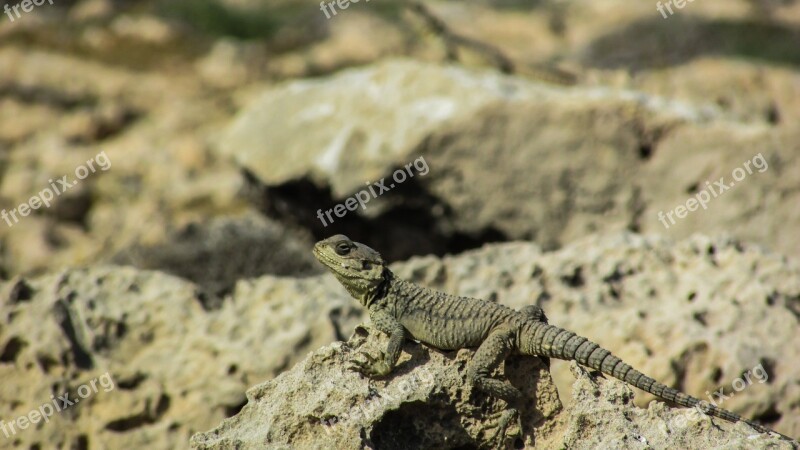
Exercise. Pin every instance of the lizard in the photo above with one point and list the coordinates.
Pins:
(402, 309)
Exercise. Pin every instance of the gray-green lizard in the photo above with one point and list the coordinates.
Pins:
(403, 309)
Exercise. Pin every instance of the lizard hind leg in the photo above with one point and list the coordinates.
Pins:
(534, 312)
(493, 351)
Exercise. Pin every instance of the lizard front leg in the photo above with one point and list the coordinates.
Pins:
(382, 365)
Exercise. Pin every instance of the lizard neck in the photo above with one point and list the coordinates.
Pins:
(381, 290)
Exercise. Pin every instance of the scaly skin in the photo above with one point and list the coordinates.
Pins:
(403, 309)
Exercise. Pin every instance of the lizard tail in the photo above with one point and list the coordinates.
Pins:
(554, 342)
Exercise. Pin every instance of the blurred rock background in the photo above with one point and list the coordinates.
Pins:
(229, 123)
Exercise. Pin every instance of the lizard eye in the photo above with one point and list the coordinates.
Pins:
(342, 248)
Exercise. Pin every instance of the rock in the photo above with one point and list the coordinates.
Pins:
(630, 294)
(602, 415)
(696, 315)
(228, 63)
(761, 94)
(425, 404)
(344, 45)
(215, 255)
(91, 10)
(377, 131)
(155, 109)
(167, 367)
(53, 127)
(660, 108)
(573, 161)
(149, 29)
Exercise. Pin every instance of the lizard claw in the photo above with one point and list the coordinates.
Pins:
(372, 367)
(508, 426)
(356, 365)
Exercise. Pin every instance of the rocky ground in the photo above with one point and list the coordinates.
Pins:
(217, 129)
(695, 314)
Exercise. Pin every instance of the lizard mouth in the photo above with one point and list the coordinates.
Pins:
(324, 259)
(318, 253)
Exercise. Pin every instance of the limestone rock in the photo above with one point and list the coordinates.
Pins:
(320, 404)
(696, 315)
(602, 415)
(172, 367)
(215, 255)
(424, 404)
(573, 161)
(346, 143)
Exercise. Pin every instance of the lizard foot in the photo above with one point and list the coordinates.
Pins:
(499, 389)
(507, 418)
(373, 367)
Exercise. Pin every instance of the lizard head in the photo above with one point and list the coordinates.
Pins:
(360, 269)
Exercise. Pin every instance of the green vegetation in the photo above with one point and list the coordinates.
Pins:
(216, 19)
